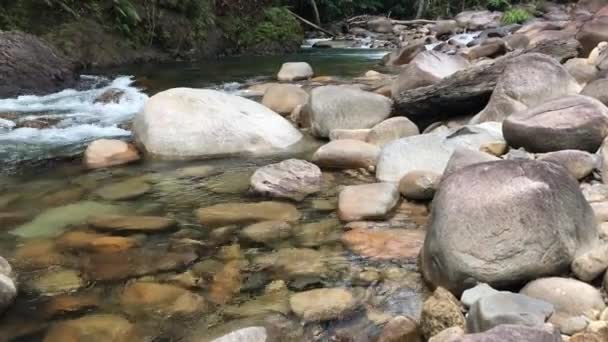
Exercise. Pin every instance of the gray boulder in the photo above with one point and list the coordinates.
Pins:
(428, 68)
(579, 163)
(597, 89)
(514, 333)
(573, 122)
(367, 201)
(529, 80)
(294, 71)
(571, 298)
(332, 107)
(431, 152)
(581, 70)
(463, 157)
(472, 295)
(507, 308)
(184, 123)
(293, 179)
(479, 229)
(8, 289)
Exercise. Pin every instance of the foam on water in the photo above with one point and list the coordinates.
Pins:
(76, 117)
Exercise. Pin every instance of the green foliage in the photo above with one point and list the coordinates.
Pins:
(516, 16)
(498, 5)
(125, 16)
(275, 25)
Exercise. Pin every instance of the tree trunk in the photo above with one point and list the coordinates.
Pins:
(467, 91)
(421, 8)
(315, 11)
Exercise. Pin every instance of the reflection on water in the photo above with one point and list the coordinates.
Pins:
(170, 277)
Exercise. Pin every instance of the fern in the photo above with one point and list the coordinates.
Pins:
(516, 16)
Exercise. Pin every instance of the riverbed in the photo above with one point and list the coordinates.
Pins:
(213, 280)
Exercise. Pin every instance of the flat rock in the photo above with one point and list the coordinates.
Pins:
(472, 295)
(292, 179)
(106, 153)
(385, 244)
(507, 308)
(367, 201)
(56, 281)
(267, 232)
(242, 213)
(323, 304)
(125, 190)
(132, 223)
(347, 154)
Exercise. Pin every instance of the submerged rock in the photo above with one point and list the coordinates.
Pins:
(94, 328)
(53, 221)
(240, 213)
(481, 218)
(185, 123)
(337, 107)
(292, 179)
(124, 190)
(56, 281)
(323, 304)
(385, 244)
(226, 283)
(267, 232)
(105, 153)
(132, 223)
(162, 299)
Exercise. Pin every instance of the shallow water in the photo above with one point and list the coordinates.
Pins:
(219, 278)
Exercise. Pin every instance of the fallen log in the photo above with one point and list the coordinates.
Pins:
(468, 91)
(311, 24)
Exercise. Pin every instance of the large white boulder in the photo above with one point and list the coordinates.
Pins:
(185, 123)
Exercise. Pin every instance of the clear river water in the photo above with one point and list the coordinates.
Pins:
(189, 282)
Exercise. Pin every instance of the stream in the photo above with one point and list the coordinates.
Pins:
(198, 282)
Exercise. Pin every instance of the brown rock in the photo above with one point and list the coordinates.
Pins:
(242, 213)
(226, 283)
(132, 223)
(419, 185)
(400, 329)
(385, 244)
(93, 328)
(161, 299)
(105, 153)
(347, 154)
(71, 303)
(439, 312)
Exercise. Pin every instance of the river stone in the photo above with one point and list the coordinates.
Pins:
(431, 152)
(125, 190)
(94, 328)
(5, 267)
(514, 333)
(106, 152)
(507, 308)
(250, 334)
(439, 312)
(8, 292)
(184, 123)
(267, 232)
(231, 182)
(581, 70)
(419, 185)
(162, 299)
(528, 81)
(111, 244)
(579, 163)
(478, 20)
(132, 223)
(427, 68)
(53, 221)
(243, 213)
(323, 304)
(463, 157)
(56, 281)
(385, 244)
(472, 295)
(367, 201)
(593, 31)
(295, 263)
(333, 107)
(597, 89)
(347, 154)
(571, 298)
(294, 71)
(400, 329)
(573, 122)
(71, 304)
(284, 98)
(591, 264)
(481, 218)
(316, 234)
(292, 179)
(350, 134)
(275, 301)
(392, 129)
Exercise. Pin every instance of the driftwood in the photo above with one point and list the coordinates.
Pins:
(311, 24)
(467, 92)
(413, 22)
